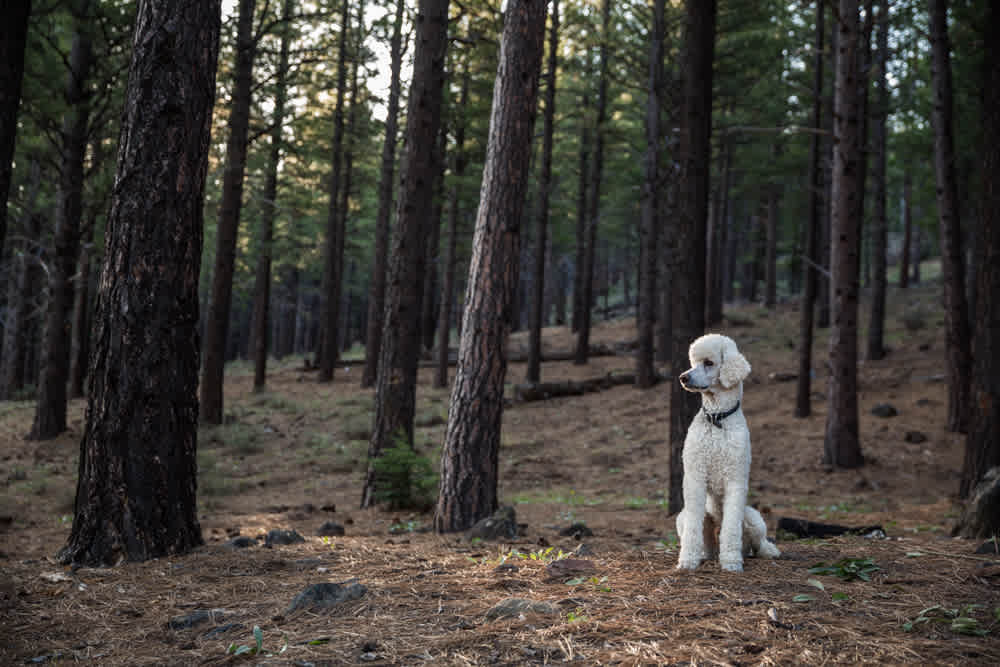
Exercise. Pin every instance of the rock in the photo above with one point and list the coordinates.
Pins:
(782, 376)
(570, 567)
(241, 542)
(503, 524)
(583, 549)
(195, 618)
(924, 402)
(329, 507)
(915, 437)
(981, 518)
(221, 629)
(282, 537)
(330, 529)
(991, 547)
(505, 568)
(884, 410)
(577, 530)
(327, 595)
(513, 607)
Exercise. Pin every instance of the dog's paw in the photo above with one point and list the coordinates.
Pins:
(768, 550)
(731, 565)
(688, 564)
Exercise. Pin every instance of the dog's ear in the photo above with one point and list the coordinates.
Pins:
(735, 367)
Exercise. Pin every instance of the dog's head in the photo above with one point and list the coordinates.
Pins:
(714, 361)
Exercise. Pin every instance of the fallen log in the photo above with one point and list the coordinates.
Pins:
(540, 391)
(806, 528)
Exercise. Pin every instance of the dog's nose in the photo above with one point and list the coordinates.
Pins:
(684, 377)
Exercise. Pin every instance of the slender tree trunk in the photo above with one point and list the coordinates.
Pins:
(13, 39)
(135, 496)
(581, 212)
(430, 305)
(22, 288)
(842, 446)
(688, 277)
(376, 298)
(333, 250)
(771, 248)
(904, 261)
(957, 349)
(534, 373)
(395, 392)
(594, 212)
(810, 281)
(80, 332)
(50, 414)
(220, 305)
(262, 279)
(470, 459)
(720, 239)
(649, 252)
(864, 74)
(825, 294)
(880, 228)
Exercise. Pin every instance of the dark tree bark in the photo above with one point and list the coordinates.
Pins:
(864, 75)
(956, 310)
(376, 297)
(594, 191)
(13, 38)
(534, 373)
(718, 241)
(333, 249)
(80, 332)
(395, 392)
(50, 413)
(469, 462)
(842, 446)
(982, 446)
(581, 212)
(688, 276)
(771, 246)
(880, 227)
(458, 161)
(135, 495)
(649, 254)
(430, 305)
(904, 260)
(262, 278)
(220, 305)
(810, 281)
(825, 294)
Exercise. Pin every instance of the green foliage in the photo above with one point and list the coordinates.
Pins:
(959, 620)
(256, 649)
(848, 569)
(404, 479)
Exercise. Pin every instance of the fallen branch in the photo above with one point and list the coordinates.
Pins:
(541, 391)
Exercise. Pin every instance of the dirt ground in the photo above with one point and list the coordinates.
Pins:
(292, 458)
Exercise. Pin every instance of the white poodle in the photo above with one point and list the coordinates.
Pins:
(717, 462)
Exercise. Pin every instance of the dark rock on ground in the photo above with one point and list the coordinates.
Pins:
(503, 524)
(504, 568)
(577, 530)
(330, 529)
(282, 537)
(915, 437)
(512, 607)
(570, 567)
(991, 547)
(327, 594)
(195, 618)
(241, 542)
(884, 410)
(222, 629)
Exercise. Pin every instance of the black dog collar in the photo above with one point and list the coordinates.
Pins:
(715, 418)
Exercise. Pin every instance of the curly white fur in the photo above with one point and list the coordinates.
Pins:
(717, 461)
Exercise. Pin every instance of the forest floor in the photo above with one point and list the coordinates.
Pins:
(293, 457)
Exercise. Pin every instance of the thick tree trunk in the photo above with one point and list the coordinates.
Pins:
(649, 253)
(958, 362)
(470, 459)
(135, 495)
(842, 445)
(395, 393)
(594, 191)
(534, 373)
(880, 227)
(904, 260)
(13, 38)
(50, 414)
(220, 305)
(262, 278)
(376, 297)
(688, 277)
(333, 249)
(803, 407)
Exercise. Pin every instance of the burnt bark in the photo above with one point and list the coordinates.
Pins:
(842, 445)
(880, 227)
(904, 260)
(80, 331)
(376, 297)
(13, 39)
(469, 461)
(958, 358)
(430, 304)
(395, 392)
(220, 305)
(135, 495)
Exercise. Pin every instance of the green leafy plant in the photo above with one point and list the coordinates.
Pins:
(256, 649)
(848, 569)
(959, 620)
(576, 616)
(404, 479)
(599, 584)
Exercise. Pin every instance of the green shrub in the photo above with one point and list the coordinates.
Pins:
(404, 479)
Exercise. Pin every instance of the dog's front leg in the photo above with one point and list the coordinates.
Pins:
(731, 533)
(689, 524)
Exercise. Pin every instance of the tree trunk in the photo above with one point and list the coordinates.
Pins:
(80, 331)
(333, 249)
(395, 392)
(823, 311)
(594, 190)
(880, 228)
(581, 212)
(376, 298)
(469, 462)
(220, 305)
(50, 415)
(13, 38)
(864, 73)
(135, 496)
(803, 407)
(842, 446)
(956, 311)
(429, 304)
(982, 446)
(688, 276)
(262, 279)
(720, 241)
(904, 261)
(771, 248)
(534, 373)
(649, 253)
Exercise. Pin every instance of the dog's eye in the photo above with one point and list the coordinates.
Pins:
(709, 363)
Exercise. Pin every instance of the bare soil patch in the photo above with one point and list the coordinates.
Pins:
(292, 459)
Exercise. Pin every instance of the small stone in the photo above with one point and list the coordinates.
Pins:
(330, 529)
(570, 567)
(221, 629)
(915, 437)
(583, 549)
(282, 537)
(884, 410)
(782, 376)
(241, 542)
(577, 530)
(502, 524)
(195, 618)
(505, 568)
(513, 607)
(329, 507)
(326, 595)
